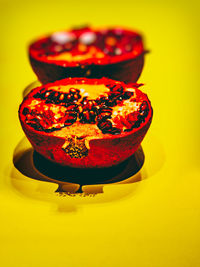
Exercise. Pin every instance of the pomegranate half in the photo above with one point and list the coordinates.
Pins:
(114, 53)
(86, 123)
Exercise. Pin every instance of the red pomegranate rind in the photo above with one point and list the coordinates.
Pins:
(114, 53)
(121, 116)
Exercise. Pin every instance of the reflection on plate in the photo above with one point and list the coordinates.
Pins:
(35, 166)
(113, 174)
(34, 177)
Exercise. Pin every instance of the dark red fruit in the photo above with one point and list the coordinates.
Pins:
(114, 53)
(85, 132)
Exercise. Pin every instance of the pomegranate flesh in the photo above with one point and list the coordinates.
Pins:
(86, 123)
(114, 53)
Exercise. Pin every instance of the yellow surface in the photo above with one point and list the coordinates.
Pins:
(150, 223)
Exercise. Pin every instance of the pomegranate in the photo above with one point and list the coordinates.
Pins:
(86, 123)
(114, 53)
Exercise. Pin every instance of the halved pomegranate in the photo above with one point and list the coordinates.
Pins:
(86, 123)
(114, 53)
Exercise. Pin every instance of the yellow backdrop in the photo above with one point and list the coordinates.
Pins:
(151, 223)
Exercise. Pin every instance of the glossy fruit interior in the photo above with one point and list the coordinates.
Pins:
(87, 45)
(112, 108)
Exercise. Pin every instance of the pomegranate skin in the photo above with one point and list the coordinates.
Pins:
(127, 71)
(126, 67)
(103, 152)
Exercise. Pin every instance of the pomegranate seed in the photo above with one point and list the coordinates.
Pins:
(104, 113)
(105, 108)
(62, 96)
(67, 47)
(52, 97)
(70, 116)
(75, 97)
(80, 109)
(111, 41)
(104, 116)
(29, 117)
(87, 116)
(25, 111)
(84, 100)
(113, 102)
(69, 97)
(128, 48)
(104, 125)
(89, 104)
(114, 94)
(40, 94)
(132, 117)
(144, 108)
(109, 50)
(74, 90)
(72, 107)
(47, 94)
(87, 38)
(127, 94)
(103, 100)
(136, 124)
(62, 37)
(116, 88)
(141, 118)
(118, 51)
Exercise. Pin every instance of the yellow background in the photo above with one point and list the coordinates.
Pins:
(152, 223)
